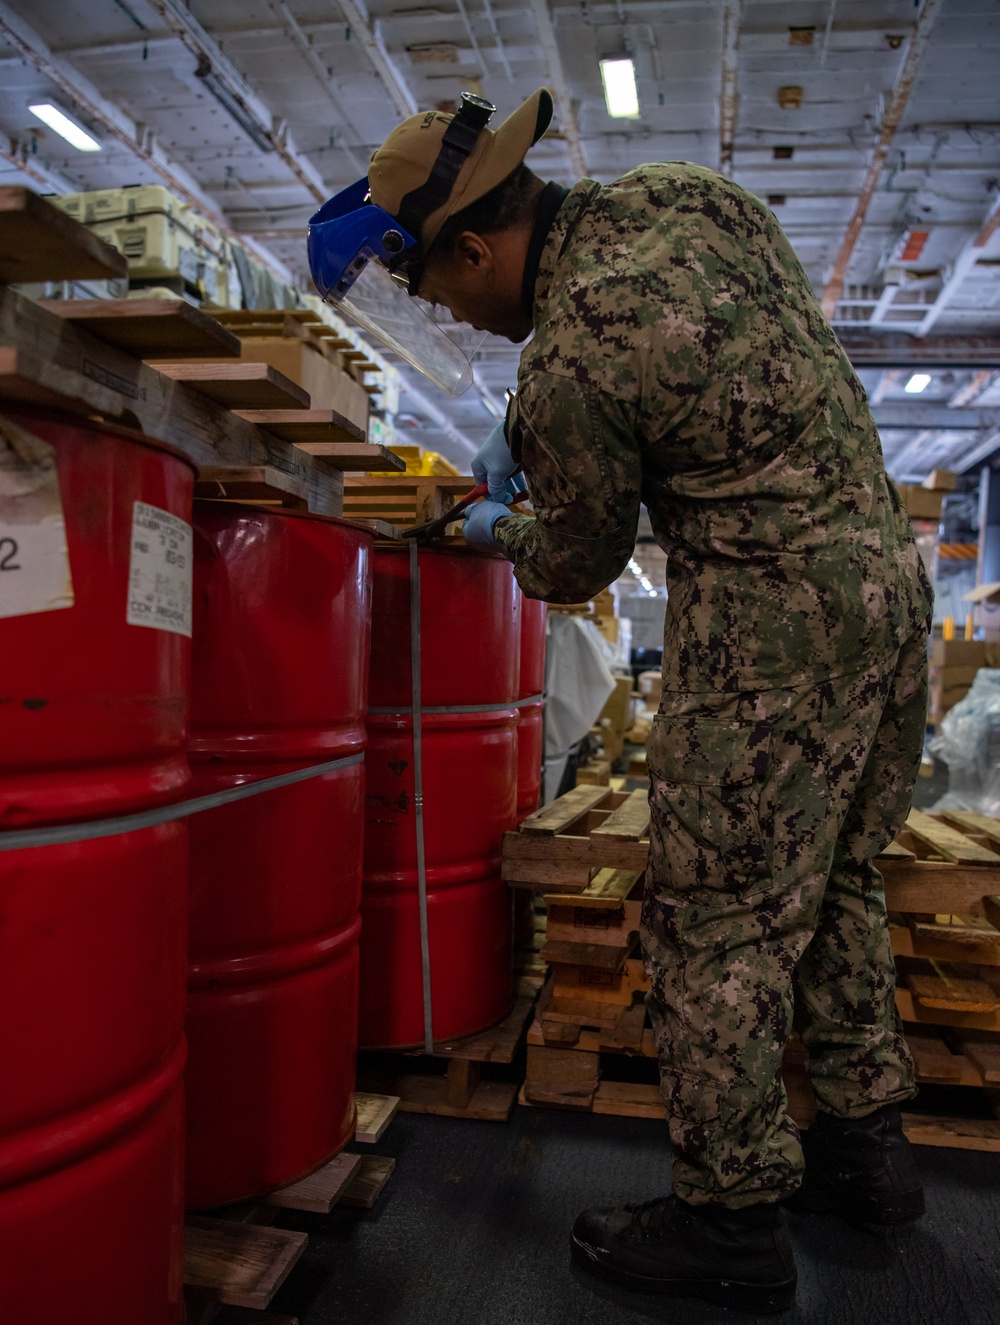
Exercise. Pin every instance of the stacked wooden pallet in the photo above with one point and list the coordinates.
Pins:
(588, 850)
(249, 428)
(406, 500)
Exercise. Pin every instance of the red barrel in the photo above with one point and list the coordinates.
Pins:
(469, 656)
(282, 618)
(530, 719)
(95, 680)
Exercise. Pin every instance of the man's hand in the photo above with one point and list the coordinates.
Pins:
(494, 465)
(480, 518)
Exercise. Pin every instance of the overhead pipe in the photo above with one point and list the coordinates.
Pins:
(908, 71)
(732, 22)
(180, 20)
(389, 76)
(567, 116)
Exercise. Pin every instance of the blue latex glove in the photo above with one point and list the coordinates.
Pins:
(493, 464)
(477, 528)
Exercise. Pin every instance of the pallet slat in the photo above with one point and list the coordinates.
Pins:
(320, 1191)
(949, 842)
(242, 385)
(629, 822)
(243, 1265)
(557, 816)
(375, 1113)
(38, 242)
(149, 328)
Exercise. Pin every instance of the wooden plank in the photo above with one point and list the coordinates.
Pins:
(51, 360)
(625, 1099)
(948, 842)
(311, 428)
(626, 1036)
(499, 1043)
(375, 1113)
(39, 242)
(258, 484)
(629, 822)
(368, 1182)
(149, 328)
(924, 886)
(423, 1093)
(320, 1191)
(248, 1316)
(567, 1077)
(954, 1133)
(243, 1265)
(559, 814)
(913, 1012)
(352, 456)
(974, 941)
(934, 1060)
(896, 851)
(243, 385)
(947, 993)
(606, 891)
(979, 823)
(599, 956)
(587, 924)
(983, 1052)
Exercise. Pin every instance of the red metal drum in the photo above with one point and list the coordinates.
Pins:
(282, 614)
(93, 939)
(469, 627)
(530, 719)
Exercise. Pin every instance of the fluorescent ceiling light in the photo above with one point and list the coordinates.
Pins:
(917, 383)
(66, 128)
(620, 96)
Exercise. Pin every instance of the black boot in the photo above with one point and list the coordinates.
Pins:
(861, 1169)
(736, 1258)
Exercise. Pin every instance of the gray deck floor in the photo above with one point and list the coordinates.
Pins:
(473, 1228)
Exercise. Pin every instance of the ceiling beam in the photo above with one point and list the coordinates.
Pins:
(962, 266)
(903, 415)
(214, 64)
(114, 123)
(891, 351)
(31, 167)
(374, 47)
(560, 87)
(908, 71)
(729, 96)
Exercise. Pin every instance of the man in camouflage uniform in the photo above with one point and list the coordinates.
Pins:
(680, 359)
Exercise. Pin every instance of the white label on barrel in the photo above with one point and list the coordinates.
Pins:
(159, 573)
(34, 558)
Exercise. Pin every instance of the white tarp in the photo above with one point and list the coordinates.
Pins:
(578, 681)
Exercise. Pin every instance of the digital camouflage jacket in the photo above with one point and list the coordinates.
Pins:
(680, 358)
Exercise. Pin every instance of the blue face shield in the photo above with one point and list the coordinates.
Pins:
(364, 260)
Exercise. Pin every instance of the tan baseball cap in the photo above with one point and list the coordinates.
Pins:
(406, 158)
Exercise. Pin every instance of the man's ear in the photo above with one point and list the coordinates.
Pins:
(474, 250)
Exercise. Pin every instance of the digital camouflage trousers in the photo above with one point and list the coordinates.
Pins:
(762, 903)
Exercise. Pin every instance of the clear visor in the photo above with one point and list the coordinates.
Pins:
(382, 306)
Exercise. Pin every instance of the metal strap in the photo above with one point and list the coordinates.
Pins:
(463, 708)
(58, 834)
(418, 795)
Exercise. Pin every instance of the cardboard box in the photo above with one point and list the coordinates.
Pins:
(940, 480)
(921, 504)
(609, 628)
(964, 653)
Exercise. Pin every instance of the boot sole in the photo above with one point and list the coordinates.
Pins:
(757, 1299)
(875, 1216)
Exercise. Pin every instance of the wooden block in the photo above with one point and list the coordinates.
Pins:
(587, 924)
(491, 1101)
(243, 1265)
(316, 430)
(258, 484)
(933, 1059)
(626, 1036)
(375, 1113)
(948, 842)
(625, 1099)
(497, 1044)
(559, 1035)
(591, 984)
(950, 993)
(629, 822)
(568, 1077)
(595, 774)
(983, 1052)
(369, 1179)
(320, 1191)
(149, 328)
(463, 1077)
(966, 940)
(238, 386)
(559, 814)
(955, 1133)
(913, 1011)
(38, 242)
(598, 956)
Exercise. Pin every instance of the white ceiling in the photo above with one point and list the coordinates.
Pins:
(329, 79)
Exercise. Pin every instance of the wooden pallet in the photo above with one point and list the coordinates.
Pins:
(461, 1090)
(405, 500)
